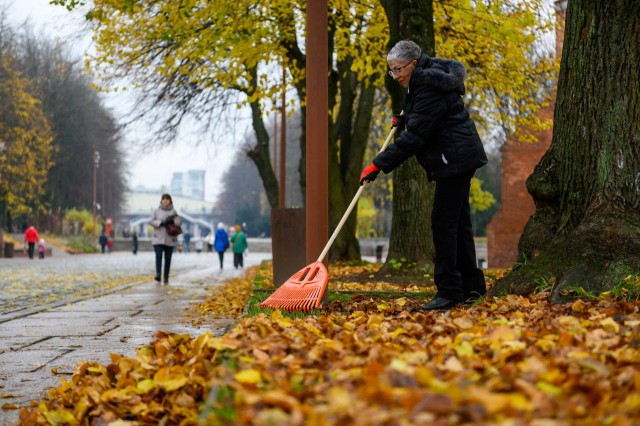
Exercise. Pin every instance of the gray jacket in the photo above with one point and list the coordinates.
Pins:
(160, 235)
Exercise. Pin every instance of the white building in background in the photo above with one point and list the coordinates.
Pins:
(188, 184)
(197, 215)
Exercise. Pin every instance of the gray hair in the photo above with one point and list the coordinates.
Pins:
(404, 51)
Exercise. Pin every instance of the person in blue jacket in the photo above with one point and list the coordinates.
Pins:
(437, 130)
(221, 242)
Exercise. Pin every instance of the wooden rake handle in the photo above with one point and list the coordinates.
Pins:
(353, 203)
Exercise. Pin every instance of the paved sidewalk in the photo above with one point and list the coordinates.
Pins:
(33, 345)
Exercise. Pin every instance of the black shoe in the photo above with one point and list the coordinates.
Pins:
(157, 278)
(166, 282)
(439, 304)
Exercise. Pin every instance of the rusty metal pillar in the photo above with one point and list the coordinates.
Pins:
(275, 133)
(317, 191)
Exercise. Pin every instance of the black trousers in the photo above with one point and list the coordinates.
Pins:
(168, 251)
(238, 260)
(31, 249)
(456, 273)
(221, 257)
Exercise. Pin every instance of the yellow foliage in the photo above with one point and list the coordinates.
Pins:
(25, 158)
(497, 43)
(479, 200)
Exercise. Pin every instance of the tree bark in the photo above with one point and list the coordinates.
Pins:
(259, 154)
(585, 232)
(411, 241)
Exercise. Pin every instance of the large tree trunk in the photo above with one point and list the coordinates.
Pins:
(411, 237)
(351, 130)
(585, 233)
(259, 154)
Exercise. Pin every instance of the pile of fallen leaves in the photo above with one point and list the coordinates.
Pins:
(375, 362)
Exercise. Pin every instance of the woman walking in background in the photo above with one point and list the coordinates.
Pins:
(221, 242)
(163, 243)
(239, 241)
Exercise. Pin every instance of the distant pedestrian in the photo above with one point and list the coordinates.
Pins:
(134, 239)
(163, 243)
(187, 241)
(109, 245)
(244, 229)
(210, 240)
(103, 241)
(31, 237)
(42, 248)
(221, 242)
(239, 241)
(180, 245)
(197, 244)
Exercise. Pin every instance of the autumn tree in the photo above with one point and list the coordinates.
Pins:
(81, 123)
(585, 233)
(479, 200)
(25, 145)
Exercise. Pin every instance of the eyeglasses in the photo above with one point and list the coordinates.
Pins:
(396, 71)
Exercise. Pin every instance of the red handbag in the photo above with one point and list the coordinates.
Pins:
(173, 229)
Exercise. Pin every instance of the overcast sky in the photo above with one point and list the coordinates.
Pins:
(148, 169)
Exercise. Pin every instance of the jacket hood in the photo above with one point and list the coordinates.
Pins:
(443, 74)
(168, 208)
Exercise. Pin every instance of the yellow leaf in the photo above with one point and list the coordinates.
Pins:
(146, 385)
(248, 377)
(579, 306)
(398, 332)
(60, 417)
(383, 307)
(170, 379)
(401, 301)
(464, 349)
(610, 325)
(549, 388)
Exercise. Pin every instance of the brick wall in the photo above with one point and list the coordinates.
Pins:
(518, 161)
(504, 230)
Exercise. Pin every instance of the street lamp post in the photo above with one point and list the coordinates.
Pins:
(96, 161)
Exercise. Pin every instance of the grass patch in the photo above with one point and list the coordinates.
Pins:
(338, 301)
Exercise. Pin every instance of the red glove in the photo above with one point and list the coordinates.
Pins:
(369, 174)
(398, 121)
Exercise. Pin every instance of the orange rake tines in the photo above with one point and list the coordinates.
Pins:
(304, 290)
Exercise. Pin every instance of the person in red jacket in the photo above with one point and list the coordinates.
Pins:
(31, 237)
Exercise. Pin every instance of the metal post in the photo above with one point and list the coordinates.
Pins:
(275, 133)
(96, 156)
(102, 207)
(283, 138)
(317, 122)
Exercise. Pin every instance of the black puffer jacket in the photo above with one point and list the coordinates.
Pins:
(438, 130)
